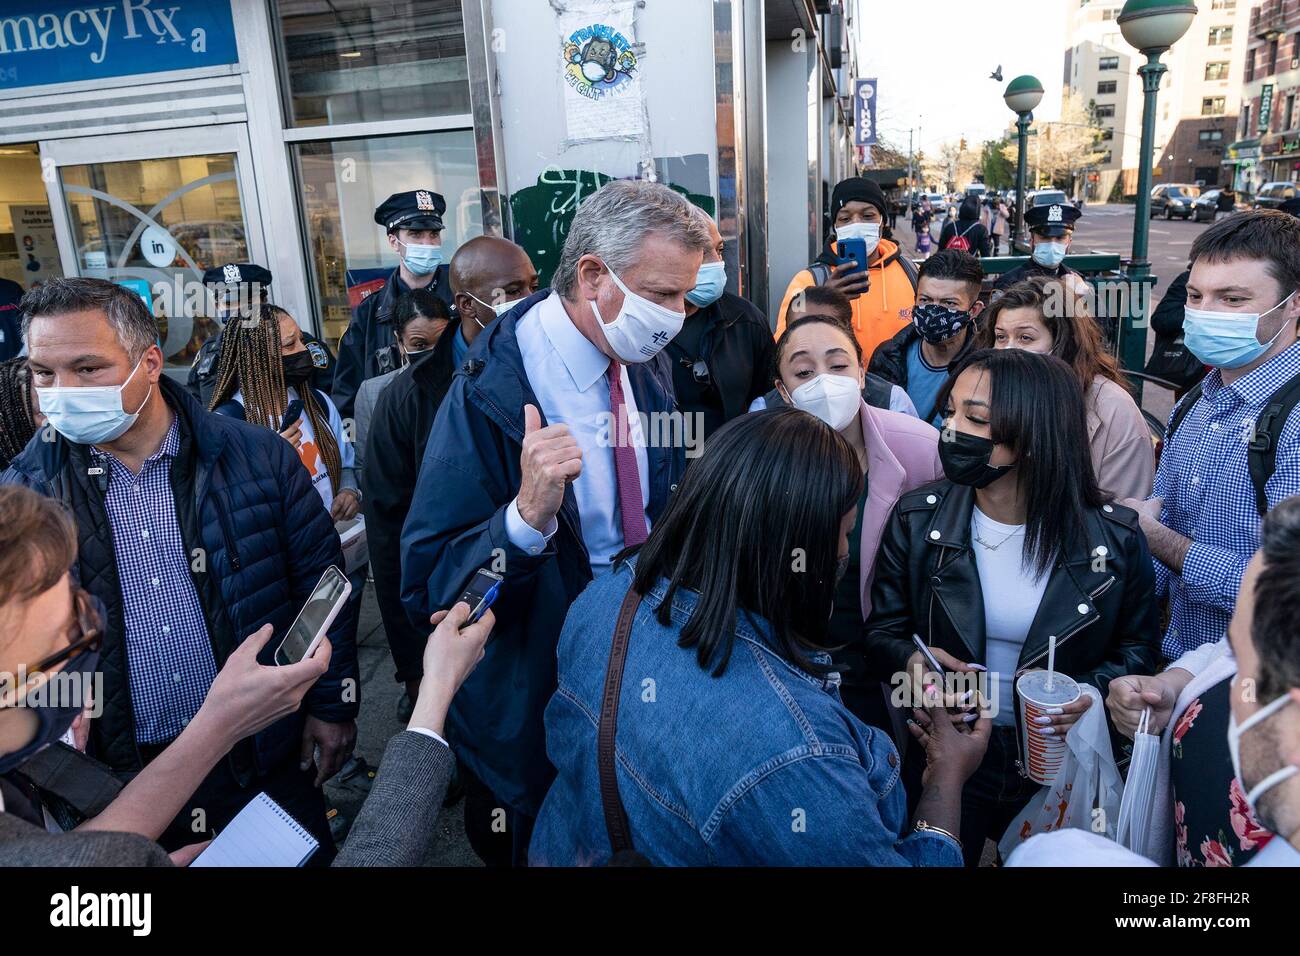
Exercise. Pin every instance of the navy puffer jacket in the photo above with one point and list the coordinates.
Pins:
(243, 498)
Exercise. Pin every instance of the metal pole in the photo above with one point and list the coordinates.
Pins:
(1022, 136)
(1133, 331)
(909, 175)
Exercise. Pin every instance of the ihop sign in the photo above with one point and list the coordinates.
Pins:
(44, 42)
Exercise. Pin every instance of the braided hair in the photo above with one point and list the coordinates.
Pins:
(16, 423)
(250, 362)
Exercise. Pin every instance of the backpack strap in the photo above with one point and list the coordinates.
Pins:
(820, 272)
(1261, 454)
(1180, 412)
(616, 825)
(909, 267)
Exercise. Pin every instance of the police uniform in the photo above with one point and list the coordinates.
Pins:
(369, 346)
(227, 280)
(1051, 221)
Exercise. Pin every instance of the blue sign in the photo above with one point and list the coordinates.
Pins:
(63, 41)
(864, 112)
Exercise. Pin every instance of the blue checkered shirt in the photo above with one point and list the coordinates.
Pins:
(169, 655)
(1209, 498)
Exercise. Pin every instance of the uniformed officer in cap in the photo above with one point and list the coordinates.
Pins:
(1050, 230)
(238, 288)
(369, 346)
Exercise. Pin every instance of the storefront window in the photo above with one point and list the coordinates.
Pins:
(342, 183)
(29, 252)
(357, 61)
(154, 226)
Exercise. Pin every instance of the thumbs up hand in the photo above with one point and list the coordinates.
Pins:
(549, 460)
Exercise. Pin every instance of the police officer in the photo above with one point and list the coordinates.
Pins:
(369, 346)
(237, 289)
(1050, 230)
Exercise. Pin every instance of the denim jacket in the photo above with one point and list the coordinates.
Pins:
(761, 766)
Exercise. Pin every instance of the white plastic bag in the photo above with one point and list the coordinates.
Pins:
(1133, 829)
(1084, 794)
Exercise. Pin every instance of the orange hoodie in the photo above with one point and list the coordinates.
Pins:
(878, 313)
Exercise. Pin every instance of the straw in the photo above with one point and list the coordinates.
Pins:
(1051, 661)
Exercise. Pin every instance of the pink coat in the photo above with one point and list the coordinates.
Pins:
(902, 454)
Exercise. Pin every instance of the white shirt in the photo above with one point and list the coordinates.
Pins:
(567, 374)
(1012, 594)
(308, 451)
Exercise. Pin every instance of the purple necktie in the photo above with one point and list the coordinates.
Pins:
(630, 505)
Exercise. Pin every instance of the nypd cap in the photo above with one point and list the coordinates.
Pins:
(1054, 220)
(418, 209)
(236, 274)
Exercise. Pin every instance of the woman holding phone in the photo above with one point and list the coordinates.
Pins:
(263, 375)
(819, 369)
(1014, 547)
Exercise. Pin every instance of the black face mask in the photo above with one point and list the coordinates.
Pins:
(937, 323)
(54, 721)
(965, 459)
(298, 367)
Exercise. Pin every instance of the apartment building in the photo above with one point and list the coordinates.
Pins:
(1267, 147)
(1200, 93)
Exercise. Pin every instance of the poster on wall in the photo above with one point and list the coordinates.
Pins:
(38, 250)
(599, 66)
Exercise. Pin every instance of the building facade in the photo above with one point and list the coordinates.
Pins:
(1267, 148)
(1199, 97)
(145, 142)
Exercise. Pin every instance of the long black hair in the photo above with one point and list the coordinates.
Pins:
(755, 529)
(1037, 410)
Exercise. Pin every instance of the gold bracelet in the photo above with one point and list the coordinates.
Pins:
(921, 825)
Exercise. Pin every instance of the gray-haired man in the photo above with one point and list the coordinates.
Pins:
(536, 468)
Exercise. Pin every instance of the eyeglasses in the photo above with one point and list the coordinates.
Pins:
(87, 633)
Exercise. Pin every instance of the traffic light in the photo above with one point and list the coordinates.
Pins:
(962, 146)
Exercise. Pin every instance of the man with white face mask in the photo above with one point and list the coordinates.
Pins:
(1232, 447)
(883, 293)
(537, 468)
(194, 530)
(413, 222)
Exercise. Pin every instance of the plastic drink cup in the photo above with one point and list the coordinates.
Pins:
(1043, 754)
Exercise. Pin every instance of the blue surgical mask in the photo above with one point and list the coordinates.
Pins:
(1049, 254)
(1227, 339)
(710, 282)
(90, 415)
(421, 260)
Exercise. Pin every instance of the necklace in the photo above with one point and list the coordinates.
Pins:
(990, 546)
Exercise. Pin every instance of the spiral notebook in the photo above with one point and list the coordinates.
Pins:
(262, 834)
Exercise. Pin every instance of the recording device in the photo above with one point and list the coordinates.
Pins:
(852, 250)
(314, 620)
(480, 594)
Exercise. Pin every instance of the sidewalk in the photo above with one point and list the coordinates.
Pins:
(376, 724)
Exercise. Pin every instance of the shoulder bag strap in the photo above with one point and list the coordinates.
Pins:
(620, 835)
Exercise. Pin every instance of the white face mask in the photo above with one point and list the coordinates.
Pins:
(835, 399)
(499, 310)
(642, 327)
(92, 414)
(1235, 731)
(868, 232)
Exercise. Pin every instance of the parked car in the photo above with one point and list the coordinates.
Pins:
(1174, 199)
(1272, 195)
(1045, 197)
(1206, 205)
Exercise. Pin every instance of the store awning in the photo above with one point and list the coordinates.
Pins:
(1244, 144)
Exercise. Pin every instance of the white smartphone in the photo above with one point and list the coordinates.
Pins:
(314, 620)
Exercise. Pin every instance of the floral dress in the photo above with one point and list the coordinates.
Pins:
(1213, 825)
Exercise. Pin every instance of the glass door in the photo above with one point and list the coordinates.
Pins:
(152, 211)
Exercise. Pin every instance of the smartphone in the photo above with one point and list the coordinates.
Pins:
(480, 594)
(852, 250)
(322, 607)
(930, 659)
(291, 414)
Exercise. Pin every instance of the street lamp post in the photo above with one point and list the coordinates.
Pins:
(1151, 27)
(1022, 95)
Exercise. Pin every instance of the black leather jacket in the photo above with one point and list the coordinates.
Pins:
(1099, 600)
